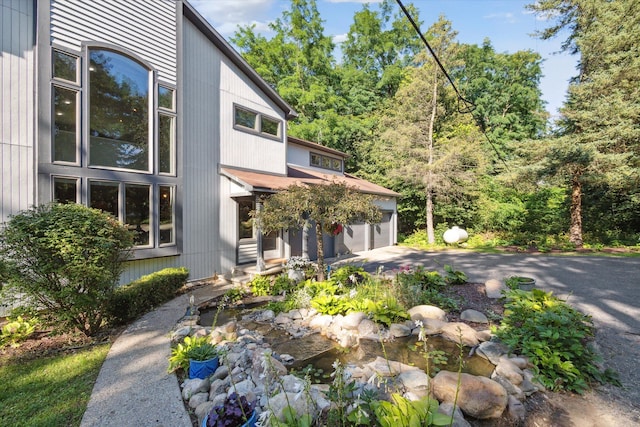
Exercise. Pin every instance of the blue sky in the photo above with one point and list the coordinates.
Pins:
(505, 22)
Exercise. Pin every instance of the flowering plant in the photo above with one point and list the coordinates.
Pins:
(297, 263)
(235, 411)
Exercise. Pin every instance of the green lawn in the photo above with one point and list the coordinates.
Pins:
(50, 391)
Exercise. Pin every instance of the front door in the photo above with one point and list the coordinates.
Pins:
(271, 245)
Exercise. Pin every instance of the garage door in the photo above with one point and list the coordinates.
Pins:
(353, 238)
(381, 233)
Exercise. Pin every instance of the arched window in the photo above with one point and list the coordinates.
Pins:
(119, 106)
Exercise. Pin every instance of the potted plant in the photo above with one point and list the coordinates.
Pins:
(521, 282)
(197, 355)
(236, 411)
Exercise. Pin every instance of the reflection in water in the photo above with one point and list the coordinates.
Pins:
(321, 352)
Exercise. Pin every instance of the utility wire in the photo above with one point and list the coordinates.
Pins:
(467, 106)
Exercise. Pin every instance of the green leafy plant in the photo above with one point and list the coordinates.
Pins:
(260, 285)
(350, 276)
(402, 412)
(555, 338)
(192, 348)
(282, 285)
(454, 277)
(67, 260)
(16, 330)
(386, 311)
(233, 295)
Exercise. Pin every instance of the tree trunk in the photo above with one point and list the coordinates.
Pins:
(575, 230)
(431, 235)
(320, 249)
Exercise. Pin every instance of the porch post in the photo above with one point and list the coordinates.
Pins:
(305, 239)
(259, 258)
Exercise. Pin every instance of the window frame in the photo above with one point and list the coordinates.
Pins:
(324, 158)
(258, 129)
(170, 113)
(73, 86)
(77, 180)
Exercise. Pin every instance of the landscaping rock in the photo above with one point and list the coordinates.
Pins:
(492, 351)
(447, 409)
(194, 386)
(458, 331)
(493, 288)
(473, 316)
(197, 399)
(478, 397)
(506, 368)
(422, 312)
(516, 409)
(351, 321)
(416, 382)
(398, 330)
(203, 410)
(301, 406)
(367, 327)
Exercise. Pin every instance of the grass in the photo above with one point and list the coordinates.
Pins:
(49, 391)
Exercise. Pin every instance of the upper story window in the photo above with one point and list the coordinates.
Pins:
(166, 130)
(66, 107)
(251, 121)
(325, 162)
(119, 120)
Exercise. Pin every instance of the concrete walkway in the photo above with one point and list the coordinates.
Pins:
(133, 387)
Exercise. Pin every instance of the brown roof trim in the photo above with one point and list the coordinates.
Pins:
(316, 146)
(198, 20)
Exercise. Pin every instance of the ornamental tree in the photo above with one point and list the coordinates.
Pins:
(324, 204)
(66, 260)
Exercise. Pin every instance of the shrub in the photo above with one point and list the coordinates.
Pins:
(554, 336)
(17, 330)
(66, 259)
(140, 296)
(260, 286)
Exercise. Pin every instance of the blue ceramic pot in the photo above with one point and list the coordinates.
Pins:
(203, 368)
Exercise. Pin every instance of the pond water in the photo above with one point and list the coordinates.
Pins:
(321, 352)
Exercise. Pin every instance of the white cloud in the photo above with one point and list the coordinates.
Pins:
(227, 15)
(504, 17)
(339, 38)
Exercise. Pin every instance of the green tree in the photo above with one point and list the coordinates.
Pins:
(598, 143)
(325, 204)
(66, 259)
(433, 147)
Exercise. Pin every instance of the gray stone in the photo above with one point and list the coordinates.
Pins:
(473, 316)
(478, 397)
(291, 383)
(492, 351)
(282, 319)
(351, 320)
(287, 359)
(194, 386)
(516, 409)
(513, 390)
(493, 288)
(506, 368)
(367, 327)
(242, 388)
(300, 406)
(218, 387)
(387, 368)
(398, 330)
(458, 331)
(203, 410)
(198, 399)
(321, 322)
(421, 312)
(447, 408)
(266, 316)
(484, 335)
(219, 399)
(416, 382)
(221, 372)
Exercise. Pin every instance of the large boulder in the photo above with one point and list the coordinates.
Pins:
(478, 397)
(456, 331)
(421, 312)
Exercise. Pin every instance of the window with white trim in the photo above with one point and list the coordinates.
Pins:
(247, 120)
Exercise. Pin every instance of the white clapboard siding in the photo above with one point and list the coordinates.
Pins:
(146, 27)
(17, 111)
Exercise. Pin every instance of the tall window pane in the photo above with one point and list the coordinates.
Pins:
(167, 225)
(104, 196)
(118, 111)
(166, 149)
(246, 224)
(65, 124)
(137, 214)
(65, 190)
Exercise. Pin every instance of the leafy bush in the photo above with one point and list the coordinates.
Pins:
(454, 277)
(418, 286)
(260, 286)
(554, 336)
(140, 296)
(17, 330)
(405, 413)
(350, 276)
(66, 259)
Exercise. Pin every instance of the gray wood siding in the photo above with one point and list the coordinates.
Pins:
(146, 27)
(201, 140)
(17, 79)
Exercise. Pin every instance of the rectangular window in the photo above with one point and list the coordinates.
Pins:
(65, 125)
(65, 190)
(244, 118)
(65, 67)
(167, 226)
(137, 213)
(325, 162)
(104, 195)
(270, 126)
(166, 98)
(245, 221)
(166, 144)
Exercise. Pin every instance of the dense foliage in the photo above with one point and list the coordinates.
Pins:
(503, 169)
(142, 295)
(66, 259)
(554, 336)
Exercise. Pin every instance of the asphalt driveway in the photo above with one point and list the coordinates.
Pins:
(607, 288)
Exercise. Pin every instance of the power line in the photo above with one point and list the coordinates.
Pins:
(468, 106)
